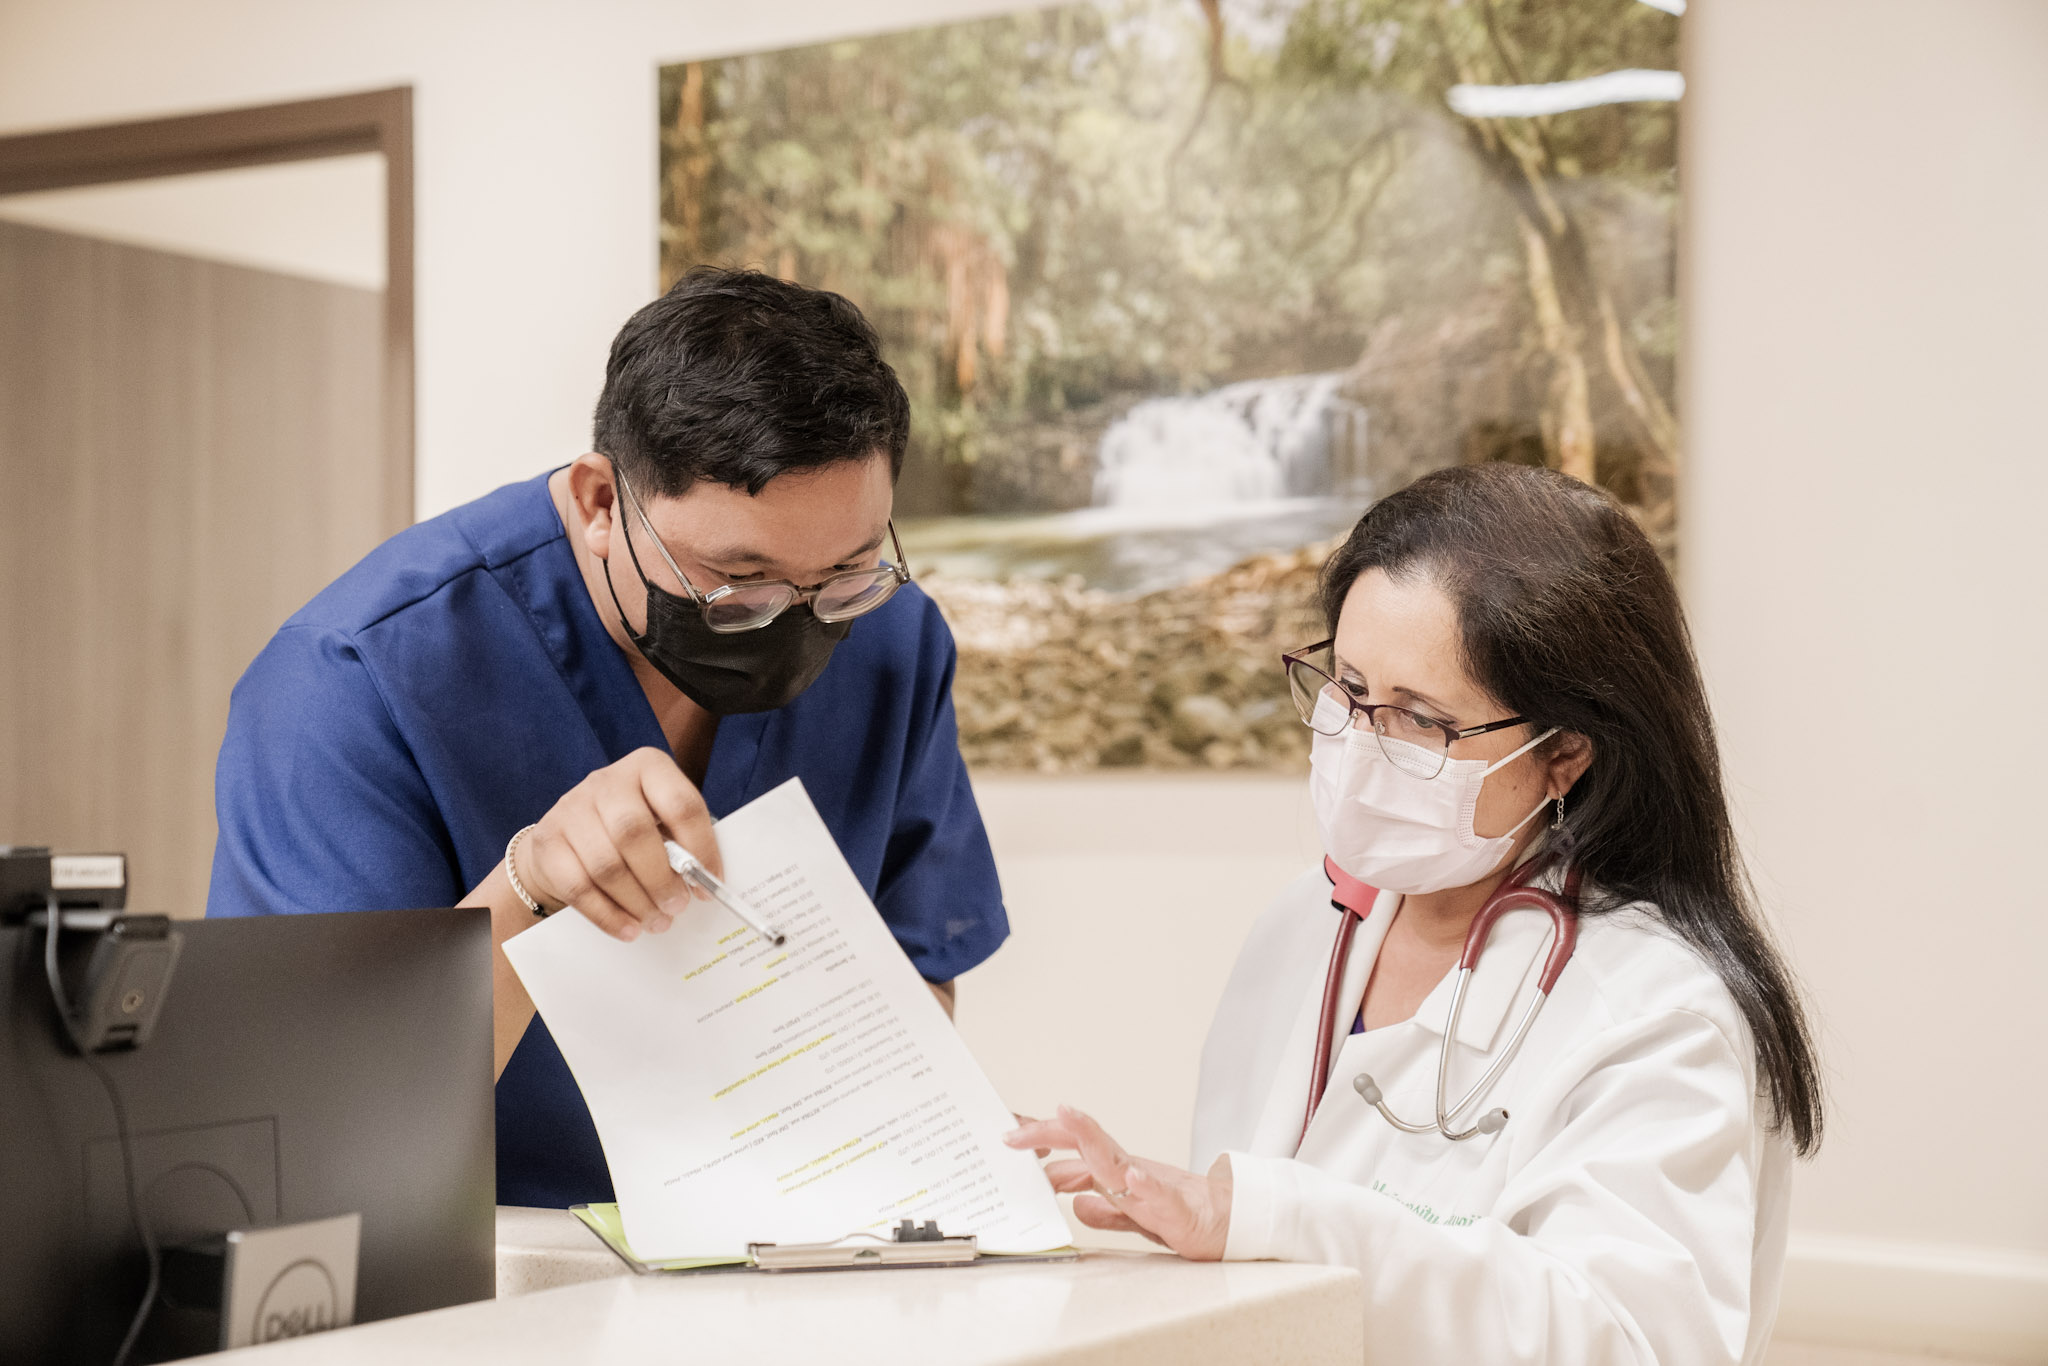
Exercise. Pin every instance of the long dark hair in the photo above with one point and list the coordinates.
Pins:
(1568, 617)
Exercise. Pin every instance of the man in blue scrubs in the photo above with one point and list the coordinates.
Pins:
(510, 705)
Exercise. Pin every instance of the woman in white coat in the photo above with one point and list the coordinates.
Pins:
(1509, 687)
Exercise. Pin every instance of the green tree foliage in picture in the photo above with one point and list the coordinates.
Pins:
(1176, 286)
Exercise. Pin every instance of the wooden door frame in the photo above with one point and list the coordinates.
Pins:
(339, 125)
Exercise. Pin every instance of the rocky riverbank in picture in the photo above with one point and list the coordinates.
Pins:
(1058, 677)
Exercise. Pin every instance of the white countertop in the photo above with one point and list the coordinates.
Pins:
(1133, 1309)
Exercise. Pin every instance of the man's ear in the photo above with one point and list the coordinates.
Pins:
(594, 496)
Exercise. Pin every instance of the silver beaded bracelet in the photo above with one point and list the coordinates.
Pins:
(512, 872)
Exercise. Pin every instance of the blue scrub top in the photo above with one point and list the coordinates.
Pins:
(447, 690)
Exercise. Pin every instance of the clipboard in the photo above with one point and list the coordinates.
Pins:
(907, 1245)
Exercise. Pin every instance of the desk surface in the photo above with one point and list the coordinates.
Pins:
(1133, 1309)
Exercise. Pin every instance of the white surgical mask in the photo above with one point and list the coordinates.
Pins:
(1400, 833)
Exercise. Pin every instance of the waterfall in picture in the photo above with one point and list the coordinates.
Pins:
(1184, 487)
(1256, 441)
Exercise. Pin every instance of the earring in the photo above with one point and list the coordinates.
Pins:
(1557, 819)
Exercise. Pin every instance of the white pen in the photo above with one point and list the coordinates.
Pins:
(685, 863)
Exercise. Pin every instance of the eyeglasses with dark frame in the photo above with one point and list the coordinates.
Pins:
(1414, 742)
(735, 607)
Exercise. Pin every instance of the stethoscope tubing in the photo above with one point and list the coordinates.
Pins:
(1355, 900)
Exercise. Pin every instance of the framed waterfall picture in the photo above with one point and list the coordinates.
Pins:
(1177, 287)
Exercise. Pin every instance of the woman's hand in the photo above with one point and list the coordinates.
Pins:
(1188, 1213)
(1040, 1153)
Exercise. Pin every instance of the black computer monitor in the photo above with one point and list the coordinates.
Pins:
(303, 1066)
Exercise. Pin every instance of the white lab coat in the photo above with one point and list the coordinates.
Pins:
(1632, 1210)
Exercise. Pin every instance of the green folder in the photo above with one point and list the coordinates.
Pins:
(604, 1221)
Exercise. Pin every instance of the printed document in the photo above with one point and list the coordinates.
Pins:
(750, 1093)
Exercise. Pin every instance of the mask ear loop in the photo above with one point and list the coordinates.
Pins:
(635, 636)
(1524, 821)
(1496, 767)
(626, 533)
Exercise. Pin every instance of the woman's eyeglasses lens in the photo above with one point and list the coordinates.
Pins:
(1318, 700)
(1412, 742)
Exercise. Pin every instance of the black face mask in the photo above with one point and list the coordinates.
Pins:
(728, 674)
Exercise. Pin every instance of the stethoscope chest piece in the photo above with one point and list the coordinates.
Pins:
(1492, 1122)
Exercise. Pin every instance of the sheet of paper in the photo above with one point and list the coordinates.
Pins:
(747, 1093)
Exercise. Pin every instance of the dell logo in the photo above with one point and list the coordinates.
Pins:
(300, 1300)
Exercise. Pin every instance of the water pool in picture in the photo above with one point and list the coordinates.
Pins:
(1124, 550)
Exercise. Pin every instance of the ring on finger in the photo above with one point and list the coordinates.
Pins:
(1123, 1194)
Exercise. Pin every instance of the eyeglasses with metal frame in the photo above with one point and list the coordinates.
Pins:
(1415, 742)
(735, 607)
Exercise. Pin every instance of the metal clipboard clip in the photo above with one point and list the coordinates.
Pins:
(908, 1244)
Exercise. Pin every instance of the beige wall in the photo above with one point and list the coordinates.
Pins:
(1129, 896)
(1865, 359)
(321, 219)
(1866, 371)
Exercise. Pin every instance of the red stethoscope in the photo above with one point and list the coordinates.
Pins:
(1354, 900)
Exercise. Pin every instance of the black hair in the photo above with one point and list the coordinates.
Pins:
(1567, 616)
(735, 376)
